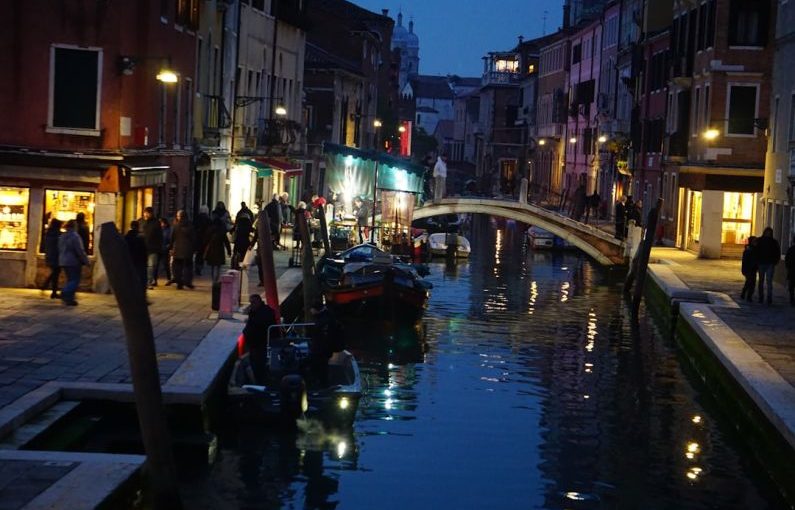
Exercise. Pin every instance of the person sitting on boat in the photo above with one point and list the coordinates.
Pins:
(260, 318)
(326, 339)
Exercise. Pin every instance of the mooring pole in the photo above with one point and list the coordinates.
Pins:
(645, 253)
(324, 231)
(265, 242)
(131, 298)
(375, 195)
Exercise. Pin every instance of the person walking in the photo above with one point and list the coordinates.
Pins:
(136, 245)
(82, 230)
(750, 265)
(222, 213)
(274, 210)
(202, 225)
(362, 218)
(216, 247)
(621, 218)
(153, 240)
(183, 240)
(164, 257)
(245, 211)
(789, 263)
(71, 257)
(51, 256)
(242, 240)
(769, 254)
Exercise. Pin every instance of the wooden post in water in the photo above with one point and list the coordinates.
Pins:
(309, 286)
(131, 298)
(643, 256)
(324, 231)
(265, 247)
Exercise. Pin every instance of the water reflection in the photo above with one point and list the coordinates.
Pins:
(525, 386)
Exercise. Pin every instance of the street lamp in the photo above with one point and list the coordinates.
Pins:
(711, 134)
(377, 123)
(602, 139)
(167, 76)
(402, 129)
(280, 110)
(542, 142)
(573, 139)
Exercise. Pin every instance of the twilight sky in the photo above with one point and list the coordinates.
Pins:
(455, 34)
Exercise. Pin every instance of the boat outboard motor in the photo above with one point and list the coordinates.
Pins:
(292, 393)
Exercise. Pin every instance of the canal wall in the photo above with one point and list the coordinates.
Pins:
(751, 395)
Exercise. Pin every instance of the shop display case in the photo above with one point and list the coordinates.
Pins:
(14, 218)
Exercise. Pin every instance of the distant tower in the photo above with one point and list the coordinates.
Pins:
(409, 45)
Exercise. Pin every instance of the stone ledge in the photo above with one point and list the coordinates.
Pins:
(774, 396)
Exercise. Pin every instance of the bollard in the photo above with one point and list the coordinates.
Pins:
(230, 294)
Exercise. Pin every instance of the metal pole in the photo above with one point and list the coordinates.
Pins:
(375, 190)
(265, 242)
(309, 286)
(645, 252)
(324, 230)
(131, 298)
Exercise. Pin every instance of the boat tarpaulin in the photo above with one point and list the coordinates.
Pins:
(351, 171)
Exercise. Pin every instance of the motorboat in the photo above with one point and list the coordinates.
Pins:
(369, 282)
(538, 238)
(291, 392)
(458, 245)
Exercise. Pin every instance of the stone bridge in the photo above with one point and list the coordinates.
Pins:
(600, 245)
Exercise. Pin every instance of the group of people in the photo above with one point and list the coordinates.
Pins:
(627, 210)
(760, 258)
(66, 247)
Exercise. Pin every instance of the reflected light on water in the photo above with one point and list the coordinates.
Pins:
(693, 473)
(576, 496)
(499, 248)
(697, 419)
(693, 447)
(564, 292)
(342, 447)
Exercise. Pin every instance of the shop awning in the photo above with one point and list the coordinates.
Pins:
(263, 170)
(351, 172)
(288, 166)
(147, 176)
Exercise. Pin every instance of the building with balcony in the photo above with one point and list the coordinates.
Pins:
(718, 109)
(551, 116)
(92, 123)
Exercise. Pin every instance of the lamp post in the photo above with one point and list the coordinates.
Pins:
(166, 75)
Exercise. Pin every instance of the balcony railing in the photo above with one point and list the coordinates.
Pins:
(216, 116)
(279, 133)
(500, 78)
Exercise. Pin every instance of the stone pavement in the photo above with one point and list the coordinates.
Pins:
(42, 340)
(768, 330)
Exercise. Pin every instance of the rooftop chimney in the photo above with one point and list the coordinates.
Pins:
(385, 12)
(521, 39)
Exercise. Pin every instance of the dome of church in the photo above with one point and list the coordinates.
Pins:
(402, 38)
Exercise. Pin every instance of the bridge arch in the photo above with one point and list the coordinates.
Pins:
(599, 245)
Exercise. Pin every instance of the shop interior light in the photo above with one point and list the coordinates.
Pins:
(167, 76)
(711, 134)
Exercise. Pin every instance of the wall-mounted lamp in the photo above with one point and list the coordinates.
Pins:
(542, 142)
(602, 139)
(573, 139)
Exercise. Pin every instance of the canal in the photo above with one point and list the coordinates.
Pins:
(525, 386)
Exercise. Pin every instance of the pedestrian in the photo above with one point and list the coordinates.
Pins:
(750, 265)
(287, 211)
(789, 263)
(222, 213)
(83, 231)
(165, 253)
(274, 211)
(201, 225)
(579, 202)
(439, 177)
(260, 318)
(72, 257)
(632, 212)
(216, 248)
(136, 246)
(51, 256)
(244, 211)
(362, 217)
(242, 240)
(153, 239)
(183, 240)
(620, 218)
(769, 254)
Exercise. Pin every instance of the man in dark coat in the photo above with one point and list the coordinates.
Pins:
(82, 230)
(216, 248)
(260, 318)
(244, 211)
(789, 263)
(621, 218)
(136, 245)
(51, 256)
(201, 225)
(153, 239)
(769, 254)
(274, 211)
(183, 240)
(242, 239)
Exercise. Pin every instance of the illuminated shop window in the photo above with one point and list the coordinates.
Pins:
(14, 218)
(65, 205)
(738, 212)
(695, 217)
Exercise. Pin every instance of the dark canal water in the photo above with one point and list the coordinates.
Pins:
(525, 386)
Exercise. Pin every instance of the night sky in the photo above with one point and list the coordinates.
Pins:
(455, 34)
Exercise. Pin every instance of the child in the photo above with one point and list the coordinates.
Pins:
(750, 266)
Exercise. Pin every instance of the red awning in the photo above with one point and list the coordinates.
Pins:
(285, 165)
